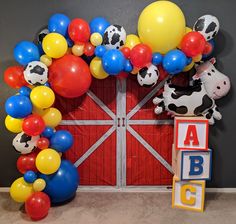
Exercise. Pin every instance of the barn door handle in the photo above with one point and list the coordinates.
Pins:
(118, 122)
(123, 122)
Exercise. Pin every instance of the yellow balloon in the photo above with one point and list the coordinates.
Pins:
(42, 97)
(48, 161)
(189, 67)
(20, 190)
(78, 50)
(97, 69)
(96, 39)
(54, 45)
(38, 111)
(14, 125)
(46, 60)
(52, 117)
(161, 25)
(131, 41)
(39, 184)
(197, 58)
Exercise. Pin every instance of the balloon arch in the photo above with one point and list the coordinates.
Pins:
(54, 64)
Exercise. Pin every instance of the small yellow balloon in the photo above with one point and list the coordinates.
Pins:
(131, 41)
(20, 190)
(48, 161)
(97, 69)
(197, 58)
(52, 117)
(135, 71)
(42, 97)
(46, 60)
(188, 30)
(14, 125)
(161, 26)
(78, 50)
(96, 39)
(39, 184)
(54, 45)
(38, 111)
(188, 67)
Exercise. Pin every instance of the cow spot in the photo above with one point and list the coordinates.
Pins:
(38, 70)
(212, 70)
(209, 114)
(207, 103)
(199, 26)
(121, 43)
(143, 72)
(115, 38)
(178, 110)
(209, 73)
(214, 34)
(118, 27)
(105, 38)
(218, 87)
(211, 27)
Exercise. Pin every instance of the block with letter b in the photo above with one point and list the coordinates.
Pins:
(191, 133)
(189, 195)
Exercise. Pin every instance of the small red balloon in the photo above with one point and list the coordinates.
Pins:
(208, 48)
(193, 44)
(33, 125)
(79, 30)
(89, 49)
(26, 163)
(37, 205)
(14, 77)
(126, 52)
(140, 55)
(43, 143)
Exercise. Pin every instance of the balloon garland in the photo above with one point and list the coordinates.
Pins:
(54, 64)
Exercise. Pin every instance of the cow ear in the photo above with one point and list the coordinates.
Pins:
(212, 60)
(196, 76)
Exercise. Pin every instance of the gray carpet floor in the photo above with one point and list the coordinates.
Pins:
(126, 208)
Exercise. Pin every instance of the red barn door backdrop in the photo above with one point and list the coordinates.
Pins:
(119, 141)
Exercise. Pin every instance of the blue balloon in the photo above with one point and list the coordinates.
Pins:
(174, 62)
(47, 132)
(47, 84)
(25, 52)
(98, 25)
(100, 51)
(18, 106)
(62, 185)
(128, 67)
(58, 23)
(61, 141)
(25, 91)
(69, 42)
(30, 177)
(113, 62)
(157, 58)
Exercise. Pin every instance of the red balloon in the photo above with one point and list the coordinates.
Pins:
(193, 44)
(33, 125)
(126, 52)
(43, 143)
(208, 48)
(26, 163)
(89, 49)
(79, 30)
(14, 77)
(70, 76)
(140, 55)
(37, 205)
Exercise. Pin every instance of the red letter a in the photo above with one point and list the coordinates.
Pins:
(191, 135)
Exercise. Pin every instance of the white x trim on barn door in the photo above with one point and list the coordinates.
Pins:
(121, 123)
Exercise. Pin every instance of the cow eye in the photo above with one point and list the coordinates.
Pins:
(209, 73)
(213, 70)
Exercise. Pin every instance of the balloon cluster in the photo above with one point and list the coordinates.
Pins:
(57, 62)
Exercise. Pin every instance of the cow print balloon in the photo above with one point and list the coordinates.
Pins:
(24, 143)
(208, 26)
(114, 37)
(36, 73)
(148, 76)
(41, 35)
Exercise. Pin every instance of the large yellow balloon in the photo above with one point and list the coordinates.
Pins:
(39, 184)
(52, 117)
(42, 97)
(161, 25)
(20, 190)
(96, 69)
(54, 45)
(131, 41)
(48, 161)
(14, 125)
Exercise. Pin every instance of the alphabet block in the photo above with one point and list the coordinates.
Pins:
(191, 133)
(192, 164)
(189, 195)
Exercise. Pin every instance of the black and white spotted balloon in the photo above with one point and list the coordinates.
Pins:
(208, 26)
(41, 34)
(148, 76)
(114, 37)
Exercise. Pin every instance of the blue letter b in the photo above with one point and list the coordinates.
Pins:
(196, 165)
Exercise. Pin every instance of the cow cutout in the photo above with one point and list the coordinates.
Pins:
(196, 100)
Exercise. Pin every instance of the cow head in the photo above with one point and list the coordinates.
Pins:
(216, 83)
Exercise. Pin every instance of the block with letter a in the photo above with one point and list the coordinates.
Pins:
(189, 195)
(191, 133)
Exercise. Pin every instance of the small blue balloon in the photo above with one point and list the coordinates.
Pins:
(128, 67)
(189, 61)
(157, 58)
(58, 23)
(41, 52)
(69, 42)
(113, 62)
(48, 132)
(25, 91)
(100, 51)
(62, 185)
(25, 52)
(61, 141)
(98, 25)
(18, 106)
(174, 62)
(30, 177)
(47, 84)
